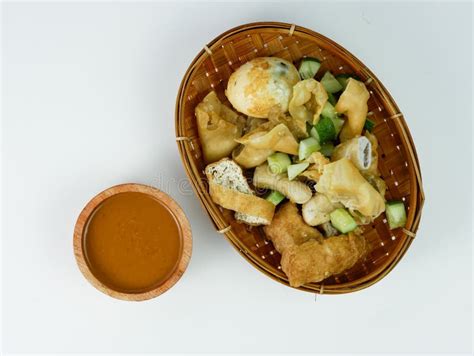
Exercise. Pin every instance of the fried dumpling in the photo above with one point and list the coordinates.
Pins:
(307, 102)
(218, 127)
(362, 152)
(342, 183)
(278, 139)
(353, 103)
(372, 173)
(249, 157)
(373, 168)
(254, 123)
(358, 150)
(277, 116)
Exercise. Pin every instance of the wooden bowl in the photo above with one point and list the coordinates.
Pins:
(398, 161)
(183, 227)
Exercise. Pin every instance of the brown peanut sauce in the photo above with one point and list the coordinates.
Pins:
(132, 242)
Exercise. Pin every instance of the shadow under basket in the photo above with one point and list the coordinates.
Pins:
(398, 162)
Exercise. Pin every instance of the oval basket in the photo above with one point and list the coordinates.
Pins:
(398, 161)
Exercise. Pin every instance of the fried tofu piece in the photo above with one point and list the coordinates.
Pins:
(315, 260)
(229, 188)
(288, 229)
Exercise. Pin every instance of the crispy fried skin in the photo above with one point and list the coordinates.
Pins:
(314, 260)
(288, 228)
(306, 255)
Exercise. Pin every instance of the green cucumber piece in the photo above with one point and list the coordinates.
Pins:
(295, 169)
(307, 146)
(338, 123)
(314, 133)
(275, 197)
(329, 111)
(309, 67)
(342, 220)
(278, 162)
(369, 125)
(332, 99)
(330, 83)
(327, 149)
(396, 214)
(326, 130)
(342, 79)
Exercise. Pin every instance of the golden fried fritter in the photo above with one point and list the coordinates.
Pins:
(306, 255)
(288, 228)
(316, 260)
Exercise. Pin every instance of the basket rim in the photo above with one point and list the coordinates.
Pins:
(416, 188)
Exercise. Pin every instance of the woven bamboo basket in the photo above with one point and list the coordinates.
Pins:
(398, 161)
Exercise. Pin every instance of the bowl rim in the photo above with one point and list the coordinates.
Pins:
(175, 210)
(416, 188)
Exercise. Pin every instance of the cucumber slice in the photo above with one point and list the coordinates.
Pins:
(330, 83)
(278, 162)
(338, 123)
(327, 149)
(309, 67)
(369, 125)
(326, 130)
(396, 214)
(342, 220)
(329, 111)
(314, 133)
(275, 197)
(307, 146)
(332, 99)
(342, 79)
(295, 169)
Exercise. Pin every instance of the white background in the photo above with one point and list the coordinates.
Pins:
(88, 102)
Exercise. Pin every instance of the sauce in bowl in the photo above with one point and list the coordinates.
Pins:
(130, 242)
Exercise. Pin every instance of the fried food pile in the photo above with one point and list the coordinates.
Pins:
(295, 154)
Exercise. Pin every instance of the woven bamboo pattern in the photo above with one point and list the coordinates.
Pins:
(398, 161)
